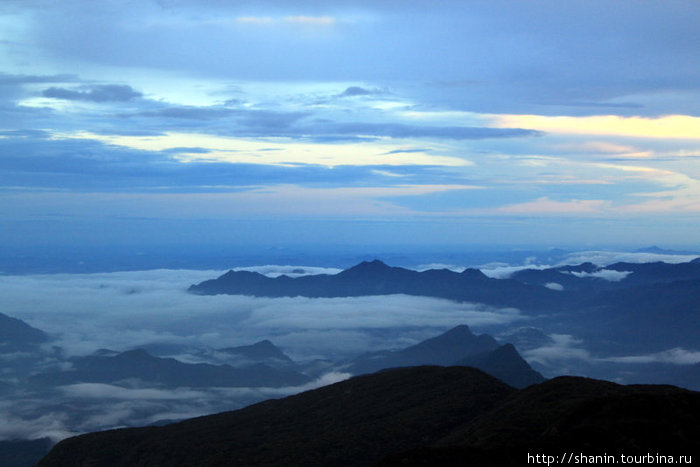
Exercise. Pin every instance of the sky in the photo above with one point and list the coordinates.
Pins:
(349, 122)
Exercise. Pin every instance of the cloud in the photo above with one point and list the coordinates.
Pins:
(97, 93)
(564, 347)
(32, 158)
(546, 206)
(51, 425)
(254, 19)
(86, 407)
(10, 79)
(298, 20)
(607, 274)
(354, 91)
(605, 258)
(676, 356)
(504, 271)
(314, 20)
(254, 151)
(273, 270)
(554, 286)
(401, 130)
(188, 113)
(670, 126)
(125, 310)
(108, 391)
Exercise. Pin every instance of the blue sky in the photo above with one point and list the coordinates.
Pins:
(309, 122)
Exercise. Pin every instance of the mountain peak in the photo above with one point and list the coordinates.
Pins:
(461, 330)
(450, 346)
(368, 267)
(375, 264)
(260, 350)
(472, 273)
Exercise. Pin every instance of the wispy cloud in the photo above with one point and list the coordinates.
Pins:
(677, 356)
(314, 20)
(546, 206)
(101, 93)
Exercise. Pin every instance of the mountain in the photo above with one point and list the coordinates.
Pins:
(458, 346)
(263, 352)
(410, 416)
(15, 334)
(169, 372)
(355, 422)
(506, 364)
(571, 416)
(377, 278)
(259, 351)
(445, 349)
(589, 277)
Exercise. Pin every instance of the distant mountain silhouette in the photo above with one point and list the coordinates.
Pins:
(139, 364)
(15, 334)
(410, 416)
(377, 278)
(657, 300)
(458, 346)
(259, 352)
(637, 274)
(506, 364)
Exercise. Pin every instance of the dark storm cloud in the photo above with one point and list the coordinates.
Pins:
(98, 93)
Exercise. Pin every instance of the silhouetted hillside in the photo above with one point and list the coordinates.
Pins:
(570, 415)
(355, 422)
(411, 416)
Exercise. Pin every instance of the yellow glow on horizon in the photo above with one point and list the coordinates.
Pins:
(670, 126)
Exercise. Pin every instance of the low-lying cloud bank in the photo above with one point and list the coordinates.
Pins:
(125, 310)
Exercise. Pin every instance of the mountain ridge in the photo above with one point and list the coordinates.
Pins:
(455, 413)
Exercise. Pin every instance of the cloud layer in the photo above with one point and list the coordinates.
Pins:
(127, 310)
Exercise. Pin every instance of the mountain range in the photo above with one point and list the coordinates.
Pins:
(458, 346)
(609, 307)
(411, 416)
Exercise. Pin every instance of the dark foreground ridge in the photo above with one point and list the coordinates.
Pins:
(410, 416)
